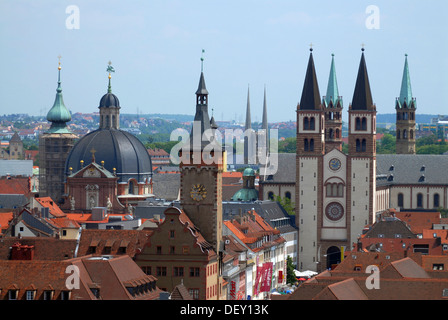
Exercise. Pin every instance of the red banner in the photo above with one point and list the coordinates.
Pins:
(266, 277)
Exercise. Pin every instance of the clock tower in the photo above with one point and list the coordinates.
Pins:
(201, 169)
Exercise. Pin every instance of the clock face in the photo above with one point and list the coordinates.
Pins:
(198, 192)
(334, 164)
(334, 211)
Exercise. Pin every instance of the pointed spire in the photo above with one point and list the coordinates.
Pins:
(332, 88)
(311, 99)
(59, 114)
(362, 97)
(406, 91)
(264, 122)
(248, 119)
(201, 87)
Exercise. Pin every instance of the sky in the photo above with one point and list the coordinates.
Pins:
(155, 47)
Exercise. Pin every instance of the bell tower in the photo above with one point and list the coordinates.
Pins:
(361, 167)
(405, 107)
(201, 169)
(309, 161)
(332, 103)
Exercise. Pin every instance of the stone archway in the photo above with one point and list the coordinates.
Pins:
(333, 256)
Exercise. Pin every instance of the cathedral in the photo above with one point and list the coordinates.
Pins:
(338, 194)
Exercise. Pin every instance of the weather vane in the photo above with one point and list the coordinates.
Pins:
(110, 68)
(202, 60)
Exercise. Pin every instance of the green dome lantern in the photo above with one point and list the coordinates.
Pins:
(59, 114)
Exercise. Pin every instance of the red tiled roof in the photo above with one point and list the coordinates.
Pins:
(5, 217)
(54, 209)
(15, 185)
(418, 221)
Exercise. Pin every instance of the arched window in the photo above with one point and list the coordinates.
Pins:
(312, 123)
(405, 116)
(306, 145)
(398, 134)
(288, 195)
(405, 134)
(329, 190)
(338, 134)
(340, 190)
(436, 200)
(306, 124)
(400, 200)
(311, 144)
(358, 145)
(357, 123)
(364, 123)
(330, 134)
(419, 200)
(271, 195)
(363, 147)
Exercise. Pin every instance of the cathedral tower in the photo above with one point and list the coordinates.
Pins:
(361, 162)
(405, 106)
(333, 112)
(309, 161)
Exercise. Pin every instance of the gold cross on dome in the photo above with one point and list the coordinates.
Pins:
(92, 151)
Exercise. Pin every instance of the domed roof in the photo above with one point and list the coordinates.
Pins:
(109, 100)
(245, 194)
(118, 149)
(249, 172)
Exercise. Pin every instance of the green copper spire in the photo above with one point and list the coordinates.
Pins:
(405, 92)
(332, 89)
(59, 114)
(110, 69)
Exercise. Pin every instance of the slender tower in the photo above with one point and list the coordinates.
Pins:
(361, 166)
(250, 143)
(201, 169)
(333, 112)
(405, 107)
(309, 161)
(54, 147)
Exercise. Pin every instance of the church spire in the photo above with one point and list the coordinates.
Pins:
(311, 99)
(362, 97)
(201, 122)
(406, 91)
(248, 119)
(264, 122)
(59, 114)
(332, 88)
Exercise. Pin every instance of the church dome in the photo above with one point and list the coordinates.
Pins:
(118, 149)
(109, 100)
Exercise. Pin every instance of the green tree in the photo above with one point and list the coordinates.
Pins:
(287, 146)
(287, 204)
(290, 275)
(386, 144)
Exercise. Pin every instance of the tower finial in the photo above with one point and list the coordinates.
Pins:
(110, 69)
(311, 46)
(362, 46)
(59, 62)
(202, 60)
